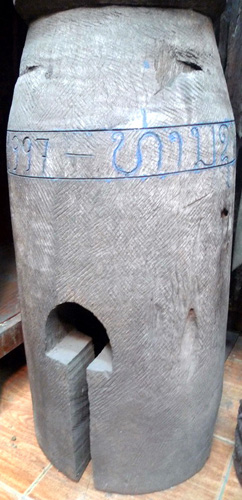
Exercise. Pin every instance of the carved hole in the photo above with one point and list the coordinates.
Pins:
(68, 316)
(191, 65)
(191, 314)
(28, 69)
(224, 212)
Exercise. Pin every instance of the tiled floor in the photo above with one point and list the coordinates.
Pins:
(25, 472)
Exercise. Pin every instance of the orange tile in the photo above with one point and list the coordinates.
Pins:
(55, 485)
(21, 459)
(233, 371)
(237, 350)
(232, 393)
(14, 382)
(16, 387)
(17, 420)
(206, 483)
(182, 492)
(212, 474)
(7, 493)
(233, 490)
(227, 415)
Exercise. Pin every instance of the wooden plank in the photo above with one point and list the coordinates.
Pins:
(11, 334)
(233, 68)
(10, 318)
(231, 339)
(9, 302)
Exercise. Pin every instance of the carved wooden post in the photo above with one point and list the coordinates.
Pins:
(121, 169)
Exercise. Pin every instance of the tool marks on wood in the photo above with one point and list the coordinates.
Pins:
(74, 336)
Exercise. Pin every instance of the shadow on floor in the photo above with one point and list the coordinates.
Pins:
(10, 364)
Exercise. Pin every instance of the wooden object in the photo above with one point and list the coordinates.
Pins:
(10, 318)
(31, 9)
(121, 163)
(233, 73)
(238, 445)
(231, 339)
(230, 48)
(230, 40)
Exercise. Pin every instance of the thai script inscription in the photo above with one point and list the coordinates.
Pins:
(112, 154)
(119, 136)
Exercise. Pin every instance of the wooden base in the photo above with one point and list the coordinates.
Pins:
(10, 318)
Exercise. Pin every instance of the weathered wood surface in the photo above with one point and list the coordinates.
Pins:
(31, 9)
(66, 365)
(11, 335)
(121, 168)
(233, 74)
(10, 319)
(238, 445)
(230, 48)
(230, 43)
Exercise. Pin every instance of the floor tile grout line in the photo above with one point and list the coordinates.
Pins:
(226, 478)
(38, 479)
(232, 358)
(9, 489)
(220, 490)
(225, 440)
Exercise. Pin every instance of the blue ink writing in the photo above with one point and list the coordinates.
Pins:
(224, 138)
(175, 136)
(120, 136)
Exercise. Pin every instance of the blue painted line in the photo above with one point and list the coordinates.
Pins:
(146, 64)
(81, 155)
(120, 136)
(122, 129)
(143, 111)
(221, 493)
(141, 177)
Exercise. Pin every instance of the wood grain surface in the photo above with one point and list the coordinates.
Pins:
(217, 480)
(139, 233)
(10, 319)
(31, 9)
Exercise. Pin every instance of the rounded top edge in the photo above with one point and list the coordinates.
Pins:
(32, 9)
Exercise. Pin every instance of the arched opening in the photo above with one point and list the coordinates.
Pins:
(70, 316)
(74, 339)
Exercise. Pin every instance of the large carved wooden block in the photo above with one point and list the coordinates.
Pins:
(121, 170)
